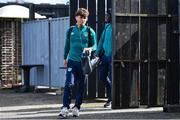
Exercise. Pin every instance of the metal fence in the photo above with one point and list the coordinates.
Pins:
(57, 36)
(42, 43)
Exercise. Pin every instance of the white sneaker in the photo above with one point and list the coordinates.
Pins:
(107, 104)
(64, 112)
(75, 112)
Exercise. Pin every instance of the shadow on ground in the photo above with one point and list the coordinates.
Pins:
(47, 105)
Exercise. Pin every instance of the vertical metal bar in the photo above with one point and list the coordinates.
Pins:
(179, 44)
(148, 66)
(87, 84)
(73, 8)
(114, 89)
(101, 17)
(109, 4)
(167, 66)
(49, 40)
(92, 23)
(130, 64)
(26, 74)
(92, 17)
(139, 80)
(82, 3)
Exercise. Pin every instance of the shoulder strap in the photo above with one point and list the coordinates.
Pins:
(69, 34)
(89, 36)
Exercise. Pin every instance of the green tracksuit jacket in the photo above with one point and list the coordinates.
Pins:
(105, 41)
(78, 41)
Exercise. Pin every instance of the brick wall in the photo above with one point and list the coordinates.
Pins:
(10, 51)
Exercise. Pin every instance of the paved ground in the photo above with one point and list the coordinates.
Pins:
(46, 106)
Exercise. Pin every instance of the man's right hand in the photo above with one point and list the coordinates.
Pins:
(65, 63)
(95, 55)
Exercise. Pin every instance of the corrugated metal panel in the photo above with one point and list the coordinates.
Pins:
(58, 29)
(43, 43)
(35, 47)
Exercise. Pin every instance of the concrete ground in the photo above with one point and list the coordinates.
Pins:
(47, 105)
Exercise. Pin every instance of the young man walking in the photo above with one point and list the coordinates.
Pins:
(79, 38)
(105, 45)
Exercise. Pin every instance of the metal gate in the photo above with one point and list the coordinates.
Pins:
(145, 53)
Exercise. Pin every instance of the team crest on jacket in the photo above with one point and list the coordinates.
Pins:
(85, 34)
(69, 69)
(72, 33)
